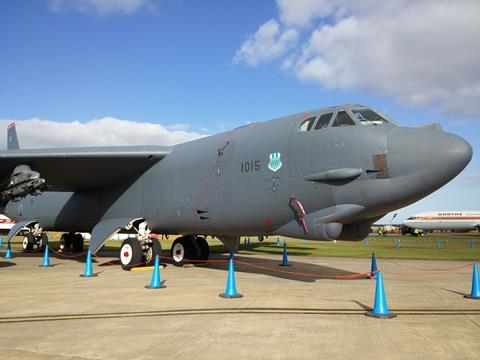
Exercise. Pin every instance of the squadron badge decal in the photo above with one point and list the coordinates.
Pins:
(275, 163)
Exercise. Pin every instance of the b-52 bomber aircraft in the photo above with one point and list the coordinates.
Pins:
(320, 175)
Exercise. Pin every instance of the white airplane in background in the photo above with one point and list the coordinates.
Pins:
(457, 221)
(5, 224)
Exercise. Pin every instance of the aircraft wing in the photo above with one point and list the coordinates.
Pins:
(75, 169)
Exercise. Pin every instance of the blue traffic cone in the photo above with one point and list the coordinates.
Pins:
(231, 289)
(373, 269)
(8, 253)
(278, 242)
(475, 294)
(88, 266)
(46, 259)
(156, 283)
(1, 241)
(245, 242)
(380, 307)
(285, 256)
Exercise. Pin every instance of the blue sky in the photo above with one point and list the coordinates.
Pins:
(199, 67)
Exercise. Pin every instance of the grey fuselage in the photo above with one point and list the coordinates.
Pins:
(222, 184)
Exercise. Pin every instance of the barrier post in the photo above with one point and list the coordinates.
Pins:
(285, 255)
(231, 289)
(88, 266)
(398, 243)
(156, 283)
(46, 258)
(8, 253)
(475, 293)
(380, 307)
(373, 268)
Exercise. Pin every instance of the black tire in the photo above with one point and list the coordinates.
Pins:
(204, 252)
(28, 242)
(77, 242)
(155, 249)
(181, 251)
(65, 242)
(131, 254)
(42, 242)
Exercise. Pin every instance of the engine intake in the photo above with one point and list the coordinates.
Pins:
(23, 181)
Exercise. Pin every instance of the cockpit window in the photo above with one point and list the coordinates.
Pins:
(343, 119)
(323, 121)
(307, 124)
(412, 218)
(368, 117)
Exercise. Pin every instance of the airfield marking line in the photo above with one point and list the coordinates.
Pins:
(286, 311)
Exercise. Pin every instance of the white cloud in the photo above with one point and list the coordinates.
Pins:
(108, 131)
(269, 42)
(421, 53)
(102, 7)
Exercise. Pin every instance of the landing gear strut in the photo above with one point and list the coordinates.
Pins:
(189, 247)
(140, 250)
(34, 237)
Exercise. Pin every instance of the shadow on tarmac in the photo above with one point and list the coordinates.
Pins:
(303, 272)
(4, 264)
(455, 292)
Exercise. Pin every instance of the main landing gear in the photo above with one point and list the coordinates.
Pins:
(188, 248)
(140, 250)
(34, 237)
(71, 241)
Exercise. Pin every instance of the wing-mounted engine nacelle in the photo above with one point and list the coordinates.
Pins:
(325, 224)
(316, 230)
(355, 232)
(23, 181)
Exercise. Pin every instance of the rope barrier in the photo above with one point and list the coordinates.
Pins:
(69, 256)
(296, 273)
(428, 270)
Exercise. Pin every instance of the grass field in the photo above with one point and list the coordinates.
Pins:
(455, 247)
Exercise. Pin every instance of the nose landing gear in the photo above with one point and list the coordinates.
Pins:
(139, 250)
(34, 237)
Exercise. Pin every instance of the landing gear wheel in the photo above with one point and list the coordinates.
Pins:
(77, 243)
(152, 252)
(203, 249)
(65, 242)
(42, 241)
(131, 254)
(28, 242)
(181, 251)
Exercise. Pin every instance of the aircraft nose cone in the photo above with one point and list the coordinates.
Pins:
(457, 152)
(427, 156)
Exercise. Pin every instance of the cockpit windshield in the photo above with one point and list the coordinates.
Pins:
(368, 117)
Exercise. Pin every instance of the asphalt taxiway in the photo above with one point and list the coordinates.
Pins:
(53, 313)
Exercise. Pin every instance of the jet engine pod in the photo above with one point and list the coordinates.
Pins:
(325, 224)
(317, 230)
(327, 231)
(355, 232)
